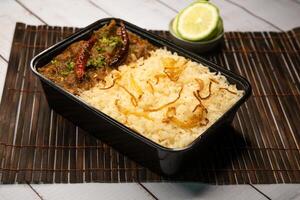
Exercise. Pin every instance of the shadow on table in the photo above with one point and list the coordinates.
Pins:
(216, 159)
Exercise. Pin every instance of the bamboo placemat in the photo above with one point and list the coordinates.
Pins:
(262, 146)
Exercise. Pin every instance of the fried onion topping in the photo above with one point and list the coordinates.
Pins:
(228, 90)
(173, 68)
(127, 111)
(112, 85)
(132, 97)
(209, 92)
(165, 105)
(196, 119)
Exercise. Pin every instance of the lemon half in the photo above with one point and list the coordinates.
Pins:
(197, 21)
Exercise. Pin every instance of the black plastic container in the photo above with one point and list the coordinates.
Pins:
(148, 153)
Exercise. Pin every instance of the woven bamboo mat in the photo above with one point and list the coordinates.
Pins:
(262, 145)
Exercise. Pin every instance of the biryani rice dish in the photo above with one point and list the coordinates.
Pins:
(165, 97)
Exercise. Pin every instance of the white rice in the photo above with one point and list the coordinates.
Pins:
(153, 124)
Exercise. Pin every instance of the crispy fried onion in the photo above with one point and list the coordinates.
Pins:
(200, 83)
(126, 111)
(173, 68)
(136, 87)
(158, 76)
(165, 105)
(132, 97)
(201, 86)
(112, 85)
(196, 119)
(196, 94)
(214, 80)
(228, 90)
(209, 92)
(150, 86)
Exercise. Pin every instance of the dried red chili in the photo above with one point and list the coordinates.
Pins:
(83, 56)
(122, 52)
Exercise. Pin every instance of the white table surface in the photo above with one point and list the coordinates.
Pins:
(243, 15)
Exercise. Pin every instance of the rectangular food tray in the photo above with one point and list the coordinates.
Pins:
(160, 159)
